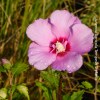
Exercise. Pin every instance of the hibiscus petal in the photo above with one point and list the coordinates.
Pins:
(40, 57)
(59, 65)
(71, 62)
(74, 62)
(81, 40)
(61, 21)
(40, 32)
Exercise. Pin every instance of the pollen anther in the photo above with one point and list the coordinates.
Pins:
(60, 47)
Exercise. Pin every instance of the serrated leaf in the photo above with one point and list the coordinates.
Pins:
(77, 95)
(87, 84)
(51, 77)
(18, 68)
(23, 90)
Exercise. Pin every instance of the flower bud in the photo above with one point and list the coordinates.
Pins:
(6, 64)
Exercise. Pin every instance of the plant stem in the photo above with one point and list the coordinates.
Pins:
(11, 79)
(59, 96)
(44, 4)
(40, 90)
(54, 95)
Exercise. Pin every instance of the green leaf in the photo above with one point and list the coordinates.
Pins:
(89, 65)
(98, 90)
(18, 68)
(23, 90)
(43, 87)
(87, 85)
(66, 97)
(2, 69)
(13, 88)
(3, 93)
(51, 77)
(77, 95)
(7, 66)
(46, 92)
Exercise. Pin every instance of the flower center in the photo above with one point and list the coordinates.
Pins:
(59, 46)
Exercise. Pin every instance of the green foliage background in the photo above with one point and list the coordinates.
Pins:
(21, 81)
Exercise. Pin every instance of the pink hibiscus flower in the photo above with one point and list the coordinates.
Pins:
(59, 42)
